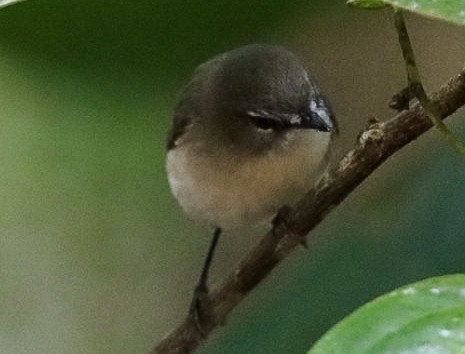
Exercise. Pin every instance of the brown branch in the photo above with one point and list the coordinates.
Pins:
(375, 144)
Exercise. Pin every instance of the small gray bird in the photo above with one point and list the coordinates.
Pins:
(250, 135)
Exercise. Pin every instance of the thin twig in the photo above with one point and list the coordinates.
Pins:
(375, 144)
(416, 86)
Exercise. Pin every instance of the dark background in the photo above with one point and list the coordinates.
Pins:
(96, 256)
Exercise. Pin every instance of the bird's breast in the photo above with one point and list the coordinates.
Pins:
(226, 191)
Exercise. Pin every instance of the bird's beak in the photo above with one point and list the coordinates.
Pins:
(318, 117)
(319, 120)
(316, 120)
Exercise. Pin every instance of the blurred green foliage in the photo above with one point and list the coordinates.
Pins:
(96, 256)
(448, 10)
(423, 317)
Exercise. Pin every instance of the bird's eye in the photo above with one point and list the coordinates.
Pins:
(263, 123)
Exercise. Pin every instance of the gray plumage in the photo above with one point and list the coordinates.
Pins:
(250, 133)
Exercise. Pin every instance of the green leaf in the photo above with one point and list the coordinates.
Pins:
(4, 3)
(448, 10)
(424, 317)
(367, 4)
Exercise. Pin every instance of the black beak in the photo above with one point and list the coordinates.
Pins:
(317, 116)
(316, 120)
(319, 119)
(312, 120)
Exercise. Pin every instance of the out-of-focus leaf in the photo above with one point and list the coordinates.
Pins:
(367, 4)
(448, 10)
(424, 317)
(4, 3)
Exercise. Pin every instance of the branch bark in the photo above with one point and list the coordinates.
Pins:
(375, 144)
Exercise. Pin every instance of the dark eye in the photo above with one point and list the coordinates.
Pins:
(264, 123)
